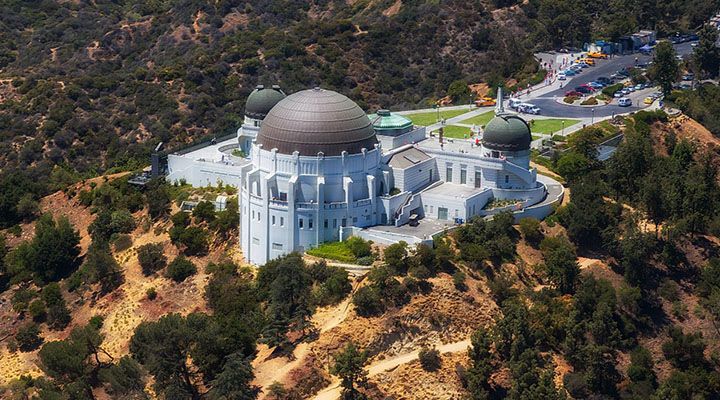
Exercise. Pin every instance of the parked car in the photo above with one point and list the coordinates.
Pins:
(639, 86)
(625, 91)
(584, 89)
(688, 77)
(569, 72)
(618, 94)
(604, 80)
(573, 93)
(596, 85)
(624, 102)
(561, 76)
(528, 108)
(648, 100)
(514, 103)
(582, 64)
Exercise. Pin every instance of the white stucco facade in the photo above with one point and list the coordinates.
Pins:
(290, 201)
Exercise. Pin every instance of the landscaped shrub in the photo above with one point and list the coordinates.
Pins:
(359, 247)
(590, 101)
(180, 268)
(151, 258)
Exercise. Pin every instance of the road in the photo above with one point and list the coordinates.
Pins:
(548, 101)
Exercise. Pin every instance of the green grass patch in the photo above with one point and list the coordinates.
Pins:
(429, 118)
(338, 251)
(548, 126)
(480, 120)
(454, 131)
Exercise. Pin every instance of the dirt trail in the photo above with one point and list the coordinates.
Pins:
(332, 392)
(269, 370)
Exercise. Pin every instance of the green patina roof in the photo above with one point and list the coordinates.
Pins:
(384, 120)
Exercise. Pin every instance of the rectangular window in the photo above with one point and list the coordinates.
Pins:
(258, 215)
(282, 221)
(463, 176)
(335, 223)
(326, 224)
(277, 246)
(478, 179)
(300, 223)
(310, 223)
(283, 196)
(344, 222)
(273, 220)
(507, 178)
(253, 214)
(448, 174)
(431, 209)
(354, 220)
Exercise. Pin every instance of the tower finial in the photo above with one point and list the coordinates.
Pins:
(499, 108)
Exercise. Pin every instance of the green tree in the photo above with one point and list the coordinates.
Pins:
(58, 313)
(151, 257)
(429, 359)
(101, 266)
(52, 253)
(459, 92)
(706, 55)
(349, 367)
(477, 375)
(180, 269)
(28, 337)
(367, 301)
(204, 211)
(560, 263)
(234, 382)
(684, 350)
(530, 229)
(664, 69)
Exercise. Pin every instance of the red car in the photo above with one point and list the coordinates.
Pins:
(573, 93)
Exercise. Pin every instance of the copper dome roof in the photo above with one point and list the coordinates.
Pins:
(316, 121)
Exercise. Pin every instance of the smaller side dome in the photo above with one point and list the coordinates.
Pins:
(386, 123)
(262, 100)
(507, 133)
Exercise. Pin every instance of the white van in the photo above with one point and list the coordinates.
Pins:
(514, 103)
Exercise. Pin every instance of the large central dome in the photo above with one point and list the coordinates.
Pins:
(314, 121)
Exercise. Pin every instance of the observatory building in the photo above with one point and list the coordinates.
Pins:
(313, 167)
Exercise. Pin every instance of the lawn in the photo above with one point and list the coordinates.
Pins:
(338, 251)
(480, 120)
(429, 118)
(548, 126)
(454, 131)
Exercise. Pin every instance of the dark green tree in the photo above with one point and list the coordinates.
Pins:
(560, 263)
(349, 366)
(706, 56)
(234, 382)
(151, 257)
(664, 69)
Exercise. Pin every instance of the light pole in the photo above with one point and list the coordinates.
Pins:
(592, 120)
(562, 132)
(437, 108)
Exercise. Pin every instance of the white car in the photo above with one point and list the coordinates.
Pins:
(624, 102)
(528, 108)
(562, 77)
(514, 103)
